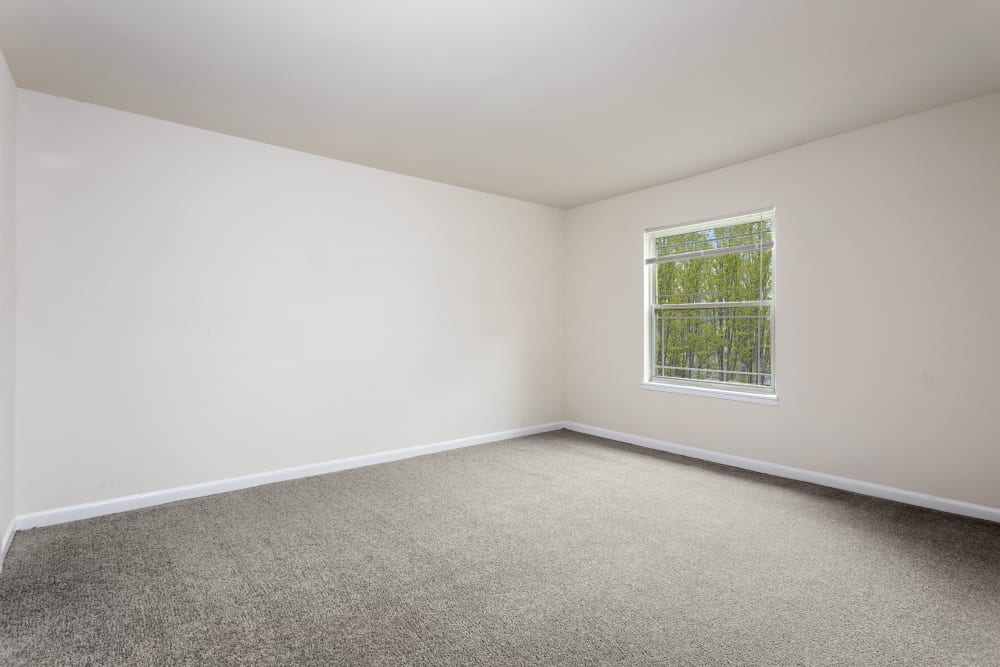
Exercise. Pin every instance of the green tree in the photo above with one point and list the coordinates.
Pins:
(696, 340)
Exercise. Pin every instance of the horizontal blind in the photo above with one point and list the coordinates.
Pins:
(742, 233)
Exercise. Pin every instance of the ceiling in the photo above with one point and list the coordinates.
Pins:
(560, 102)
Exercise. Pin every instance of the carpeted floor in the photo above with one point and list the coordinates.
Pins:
(552, 549)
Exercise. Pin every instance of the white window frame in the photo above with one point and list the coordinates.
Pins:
(728, 391)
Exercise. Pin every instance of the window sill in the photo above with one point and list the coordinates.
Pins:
(727, 394)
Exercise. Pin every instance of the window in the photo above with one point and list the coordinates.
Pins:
(710, 307)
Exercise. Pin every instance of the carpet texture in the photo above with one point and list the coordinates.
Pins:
(552, 549)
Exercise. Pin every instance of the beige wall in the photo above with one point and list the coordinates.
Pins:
(8, 114)
(194, 306)
(887, 314)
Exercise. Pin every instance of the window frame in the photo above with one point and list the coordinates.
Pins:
(716, 389)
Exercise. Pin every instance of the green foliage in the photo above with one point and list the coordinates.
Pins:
(717, 343)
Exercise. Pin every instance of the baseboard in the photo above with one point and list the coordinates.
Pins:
(138, 501)
(844, 483)
(8, 535)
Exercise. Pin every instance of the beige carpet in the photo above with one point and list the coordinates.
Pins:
(552, 549)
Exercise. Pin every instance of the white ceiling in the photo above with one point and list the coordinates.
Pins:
(560, 102)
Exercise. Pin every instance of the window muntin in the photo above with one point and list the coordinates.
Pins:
(711, 303)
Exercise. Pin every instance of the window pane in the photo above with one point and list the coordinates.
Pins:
(719, 344)
(741, 276)
(711, 293)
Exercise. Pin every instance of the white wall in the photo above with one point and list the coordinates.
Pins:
(194, 306)
(887, 314)
(8, 114)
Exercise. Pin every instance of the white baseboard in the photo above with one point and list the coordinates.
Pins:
(126, 503)
(8, 535)
(844, 483)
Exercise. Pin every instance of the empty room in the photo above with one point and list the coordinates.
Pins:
(481, 332)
